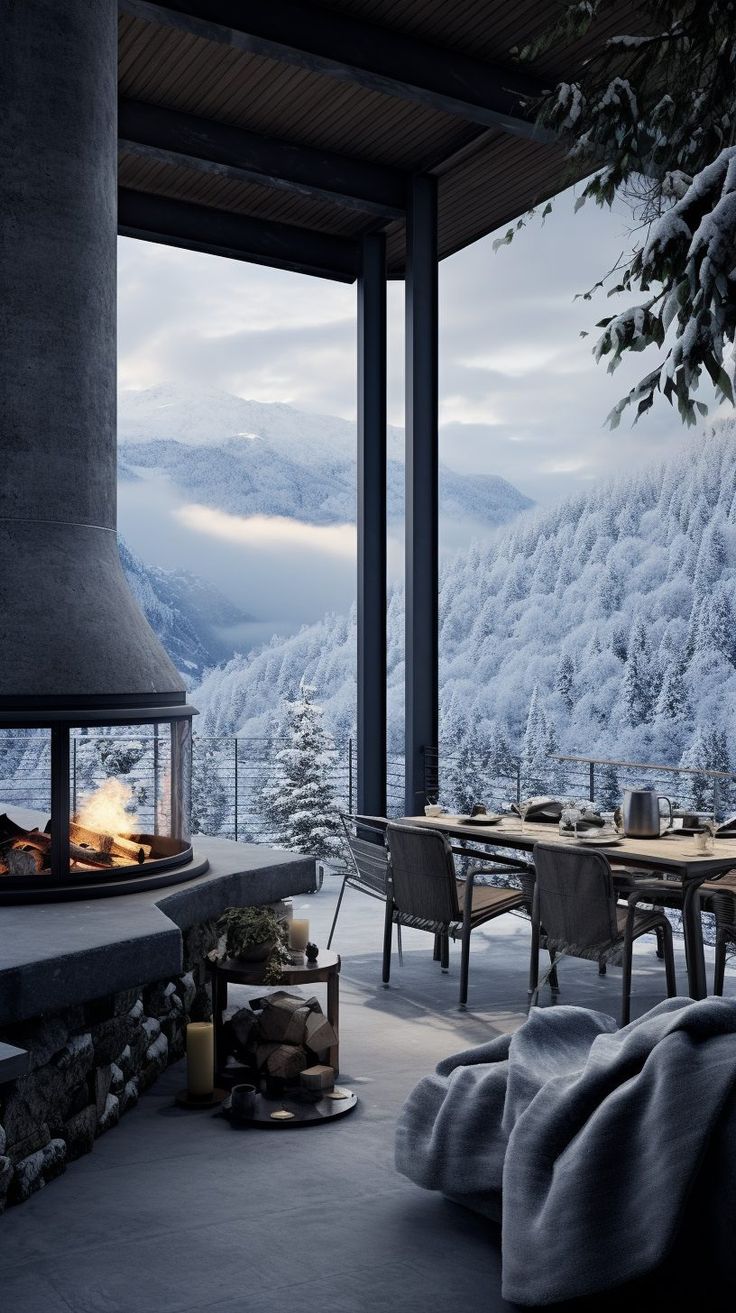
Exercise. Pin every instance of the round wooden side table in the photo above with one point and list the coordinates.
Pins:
(326, 970)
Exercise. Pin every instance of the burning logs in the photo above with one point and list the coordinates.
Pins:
(117, 844)
(288, 1034)
(25, 852)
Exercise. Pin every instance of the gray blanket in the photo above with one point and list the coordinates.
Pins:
(589, 1138)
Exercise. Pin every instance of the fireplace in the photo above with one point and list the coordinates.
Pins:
(90, 809)
(79, 660)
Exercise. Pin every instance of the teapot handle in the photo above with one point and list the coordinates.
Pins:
(662, 797)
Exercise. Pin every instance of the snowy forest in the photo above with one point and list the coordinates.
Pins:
(602, 626)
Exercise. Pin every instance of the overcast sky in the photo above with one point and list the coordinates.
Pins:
(520, 394)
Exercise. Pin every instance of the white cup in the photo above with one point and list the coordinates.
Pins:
(433, 809)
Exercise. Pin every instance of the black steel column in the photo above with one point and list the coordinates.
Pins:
(422, 537)
(371, 792)
(60, 800)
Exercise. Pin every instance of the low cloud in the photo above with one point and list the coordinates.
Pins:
(271, 532)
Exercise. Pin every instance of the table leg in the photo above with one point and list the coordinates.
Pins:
(219, 1003)
(333, 1016)
(692, 927)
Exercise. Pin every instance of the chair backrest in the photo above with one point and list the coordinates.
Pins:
(365, 837)
(577, 901)
(423, 878)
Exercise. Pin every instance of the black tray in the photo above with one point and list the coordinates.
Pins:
(305, 1114)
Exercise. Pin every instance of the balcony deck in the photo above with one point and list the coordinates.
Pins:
(176, 1212)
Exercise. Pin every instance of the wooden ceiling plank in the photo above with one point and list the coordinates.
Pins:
(382, 59)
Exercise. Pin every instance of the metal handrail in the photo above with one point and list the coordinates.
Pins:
(647, 765)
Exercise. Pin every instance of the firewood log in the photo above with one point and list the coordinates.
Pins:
(318, 1033)
(282, 1060)
(282, 1023)
(24, 861)
(117, 844)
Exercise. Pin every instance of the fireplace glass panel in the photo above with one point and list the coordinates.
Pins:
(130, 793)
(128, 802)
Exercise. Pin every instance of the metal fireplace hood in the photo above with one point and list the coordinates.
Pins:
(73, 636)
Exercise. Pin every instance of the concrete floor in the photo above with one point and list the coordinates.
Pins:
(177, 1212)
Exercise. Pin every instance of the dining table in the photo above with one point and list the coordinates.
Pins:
(673, 858)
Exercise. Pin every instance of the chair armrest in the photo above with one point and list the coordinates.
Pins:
(514, 863)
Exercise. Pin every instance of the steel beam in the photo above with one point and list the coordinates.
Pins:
(372, 528)
(422, 504)
(211, 147)
(172, 222)
(374, 56)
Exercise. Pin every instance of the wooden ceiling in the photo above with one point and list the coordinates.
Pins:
(282, 132)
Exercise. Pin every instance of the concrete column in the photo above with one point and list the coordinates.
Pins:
(70, 627)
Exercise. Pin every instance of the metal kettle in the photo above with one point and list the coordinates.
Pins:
(641, 814)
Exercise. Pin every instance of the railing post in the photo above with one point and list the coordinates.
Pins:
(235, 741)
(716, 798)
(592, 781)
(350, 776)
(156, 770)
(518, 781)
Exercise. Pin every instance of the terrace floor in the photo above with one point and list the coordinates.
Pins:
(176, 1212)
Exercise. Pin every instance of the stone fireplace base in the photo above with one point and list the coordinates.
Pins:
(91, 1055)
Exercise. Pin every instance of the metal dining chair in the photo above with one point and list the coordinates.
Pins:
(425, 893)
(576, 913)
(365, 849)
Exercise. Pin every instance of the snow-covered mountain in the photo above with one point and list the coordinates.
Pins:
(185, 611)
(249, 458)
(603, 626)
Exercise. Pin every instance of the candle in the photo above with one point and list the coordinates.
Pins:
(298, 935)
(200, 1058)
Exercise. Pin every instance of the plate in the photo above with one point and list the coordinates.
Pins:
(490, 819)
(598, 840)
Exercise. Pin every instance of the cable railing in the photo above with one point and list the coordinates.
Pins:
(231, 776)
(459, 780)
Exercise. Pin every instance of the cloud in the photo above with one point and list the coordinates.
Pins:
(520, 393)
(269, 531)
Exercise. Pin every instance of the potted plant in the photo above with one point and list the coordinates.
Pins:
(255, 934)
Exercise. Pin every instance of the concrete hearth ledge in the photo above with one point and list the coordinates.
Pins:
(53, 955)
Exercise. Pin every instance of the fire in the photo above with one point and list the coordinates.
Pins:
(107, 810)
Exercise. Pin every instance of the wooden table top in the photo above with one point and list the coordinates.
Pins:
(671, 853)
(300, 973)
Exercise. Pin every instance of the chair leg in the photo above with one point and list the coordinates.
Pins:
(660, 942)
(601, 966)
(337, 910)
(464, 965)
(669, 960)
(445, 959)
(437, 948)
(626, 983)
(388, 927)
(399, 945)
(534, 959)
(719, 972)
(554, 983)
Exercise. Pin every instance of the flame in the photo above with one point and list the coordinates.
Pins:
(107, 810)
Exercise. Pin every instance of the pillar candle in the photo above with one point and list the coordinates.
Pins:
(200, 1058)
(298, 935)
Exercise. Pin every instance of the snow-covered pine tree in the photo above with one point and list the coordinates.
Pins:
(707, 751)
(460, 781)
(656, 105)
(607, 788)
(534, 761)
(211, 804)
(639, 684)
(298, 801)
(565, 680)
